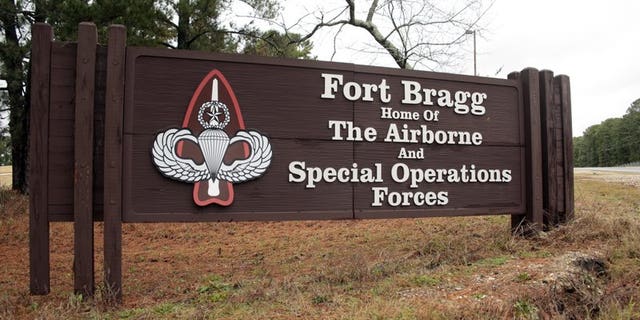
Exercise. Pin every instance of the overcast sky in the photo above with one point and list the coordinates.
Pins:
(595, 43)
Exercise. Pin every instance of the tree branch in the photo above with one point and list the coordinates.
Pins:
(352, 11)
(335, 38)
(421, 30)
(169, 22)
(397, 30)
(318, 27)
(380, 39)
(194, 38)
(372, 10)
(266, 39)
(168, 45)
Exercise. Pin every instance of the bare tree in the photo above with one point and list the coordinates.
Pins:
(424, 34)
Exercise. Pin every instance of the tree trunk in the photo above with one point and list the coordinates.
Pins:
(184, 20)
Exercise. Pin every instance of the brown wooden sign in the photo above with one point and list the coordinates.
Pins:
(129, 134)
(344, 141)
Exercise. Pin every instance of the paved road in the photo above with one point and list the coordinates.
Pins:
(635, 170)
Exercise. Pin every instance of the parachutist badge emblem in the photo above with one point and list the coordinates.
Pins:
(213, 143)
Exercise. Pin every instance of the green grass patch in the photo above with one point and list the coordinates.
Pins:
(320, 299)
(522, 277)
(165, 309)
(215, 289)
(524, 309)
(425, 280)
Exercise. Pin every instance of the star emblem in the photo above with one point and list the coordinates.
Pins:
(214, 113)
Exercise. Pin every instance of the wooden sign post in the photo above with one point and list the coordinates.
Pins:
(160, 135)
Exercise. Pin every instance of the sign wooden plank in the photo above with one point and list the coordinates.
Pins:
(42, 35)
(549, 155)
(558, 178)
(531, 99)
(83, 161)
(61, 131)
(114, 102)
(60, 153)
(565, 88)
(334, 132)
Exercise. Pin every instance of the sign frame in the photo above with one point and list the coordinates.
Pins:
(130, 214)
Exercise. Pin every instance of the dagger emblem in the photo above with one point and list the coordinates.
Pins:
(213, 140)
(213, 143)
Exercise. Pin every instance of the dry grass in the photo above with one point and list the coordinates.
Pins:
(5, 177)
(455, 268)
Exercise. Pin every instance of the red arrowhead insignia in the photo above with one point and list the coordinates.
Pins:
(203, 94)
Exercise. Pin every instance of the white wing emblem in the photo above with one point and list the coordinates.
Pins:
(186, 170)
(170, 164)
(252, 167)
